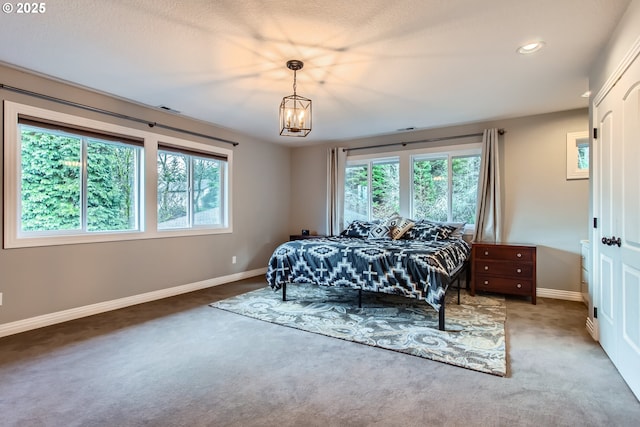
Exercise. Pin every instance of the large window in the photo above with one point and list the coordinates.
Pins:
(422, 184)
(382, 176)
(74, 180)
(189, 189)
(445, 187)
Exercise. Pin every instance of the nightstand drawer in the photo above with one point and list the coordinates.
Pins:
(501, 268)
(504, 285)
(506, 253)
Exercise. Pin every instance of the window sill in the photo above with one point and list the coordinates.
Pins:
(31, 242)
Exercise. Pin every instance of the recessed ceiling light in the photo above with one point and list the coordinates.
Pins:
(530, 47)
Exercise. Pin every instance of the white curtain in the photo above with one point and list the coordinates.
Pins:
(489, 215)
(336, 162)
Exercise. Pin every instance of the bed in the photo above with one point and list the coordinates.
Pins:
(419, 262)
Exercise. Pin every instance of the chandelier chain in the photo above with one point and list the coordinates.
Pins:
(294, 82)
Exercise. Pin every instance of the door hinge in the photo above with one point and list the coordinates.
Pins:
(595, 133)
(595, 312)
(595, 222)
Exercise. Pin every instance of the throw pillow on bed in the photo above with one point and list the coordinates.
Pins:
(399, 226)
(422, 231)
(428, 230)
(380, 231)
(358, 229)
(448, 230)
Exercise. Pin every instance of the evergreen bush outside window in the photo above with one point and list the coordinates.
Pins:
(72, 182)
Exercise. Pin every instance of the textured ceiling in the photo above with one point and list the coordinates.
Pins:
(371, 66)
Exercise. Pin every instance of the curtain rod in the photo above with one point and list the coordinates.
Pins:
(112, 114)
(442, 138)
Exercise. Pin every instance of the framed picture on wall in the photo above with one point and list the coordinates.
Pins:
(578, 155)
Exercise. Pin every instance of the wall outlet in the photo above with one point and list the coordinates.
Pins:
(233, 259)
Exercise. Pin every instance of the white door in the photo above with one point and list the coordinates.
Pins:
(608, 130)
(617, 184)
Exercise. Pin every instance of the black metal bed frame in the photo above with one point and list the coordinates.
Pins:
(455, 277)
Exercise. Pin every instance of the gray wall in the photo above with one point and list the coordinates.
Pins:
(43, 280)
(540, 205)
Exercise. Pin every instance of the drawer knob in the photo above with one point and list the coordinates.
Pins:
(486, 267)
(486, 282)
(519, 270)
(518, 286)
(519, 255)
(486, 253)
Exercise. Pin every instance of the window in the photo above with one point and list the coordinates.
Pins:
(440, 184)
(190, 189)
(578, 155)
(382, 176)
(583, 155)
(72, 180)
(445, 187)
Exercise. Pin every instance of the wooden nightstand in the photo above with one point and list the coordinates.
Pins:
(303, 237)
(504, 268)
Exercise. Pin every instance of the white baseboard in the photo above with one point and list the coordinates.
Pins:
(24, 325)
(89, 310)
(557, 294)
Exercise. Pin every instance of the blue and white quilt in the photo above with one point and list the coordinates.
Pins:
(412, 268)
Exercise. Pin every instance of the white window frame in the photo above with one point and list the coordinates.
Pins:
(370, 161)
(148, 181)
(448, 155)
(194, 147)
(83, 188)
(406, 168)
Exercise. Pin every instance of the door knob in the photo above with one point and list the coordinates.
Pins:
(612, 241)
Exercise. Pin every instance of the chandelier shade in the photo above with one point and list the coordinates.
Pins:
(295, 110)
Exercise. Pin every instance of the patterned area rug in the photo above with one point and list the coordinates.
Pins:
(474, 336)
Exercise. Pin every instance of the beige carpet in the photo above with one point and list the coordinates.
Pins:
(177, 362)
(474, 337)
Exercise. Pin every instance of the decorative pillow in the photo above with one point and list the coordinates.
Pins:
(452, 230)
(399, 226)
(358, 229)
(444, 232)
(380, 231)
(422, 231)
(457, 229)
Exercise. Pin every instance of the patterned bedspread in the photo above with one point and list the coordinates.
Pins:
(413, 268)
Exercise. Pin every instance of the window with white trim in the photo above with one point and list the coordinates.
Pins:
(69, 179)
(445, 187)
(439, 184)
(372, 189)
(73, 181)
(190, 189)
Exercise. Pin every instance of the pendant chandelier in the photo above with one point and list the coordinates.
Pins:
(295, 110)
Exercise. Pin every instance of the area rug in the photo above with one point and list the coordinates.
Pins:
(474, 337)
